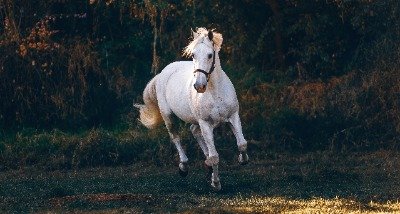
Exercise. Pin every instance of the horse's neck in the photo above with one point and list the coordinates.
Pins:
(217, 77)
(217, 61)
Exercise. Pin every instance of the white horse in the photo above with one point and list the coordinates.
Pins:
(197, 92)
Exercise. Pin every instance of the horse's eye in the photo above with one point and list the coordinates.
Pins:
(209, 56)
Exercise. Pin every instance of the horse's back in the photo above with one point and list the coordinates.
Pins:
(175, 70)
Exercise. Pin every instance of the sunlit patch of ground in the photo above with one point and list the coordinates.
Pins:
(315, 205)
(253, 204)
(308, 183)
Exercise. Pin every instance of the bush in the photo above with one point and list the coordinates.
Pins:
(96, 148)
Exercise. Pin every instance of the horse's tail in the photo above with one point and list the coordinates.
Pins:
(150, 115)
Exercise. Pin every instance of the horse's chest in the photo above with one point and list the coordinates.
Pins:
(216, 109)
(220, 110)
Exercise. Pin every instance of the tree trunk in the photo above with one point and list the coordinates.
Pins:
(278, 19)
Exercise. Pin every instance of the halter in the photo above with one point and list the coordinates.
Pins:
(211, 69)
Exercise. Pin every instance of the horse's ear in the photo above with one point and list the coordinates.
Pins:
(210, 35)
(193, 33)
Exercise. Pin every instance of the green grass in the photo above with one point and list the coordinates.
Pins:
(324, 182)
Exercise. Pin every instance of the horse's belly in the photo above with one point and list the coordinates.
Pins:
(182, 110)
(188, 118)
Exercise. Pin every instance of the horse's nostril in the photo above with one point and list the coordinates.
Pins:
(199, 87)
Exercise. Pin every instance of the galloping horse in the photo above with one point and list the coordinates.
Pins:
(197, 92)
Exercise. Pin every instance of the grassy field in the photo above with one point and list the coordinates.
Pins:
(318, 182)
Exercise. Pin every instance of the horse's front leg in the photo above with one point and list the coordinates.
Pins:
(213, 158)
(236, 127)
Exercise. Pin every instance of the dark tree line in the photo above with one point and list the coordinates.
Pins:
(78, 64)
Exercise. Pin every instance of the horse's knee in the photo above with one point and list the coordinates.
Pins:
(242, 146)
(212, 161)
(195, 129)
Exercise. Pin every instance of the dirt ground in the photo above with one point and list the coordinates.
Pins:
(318, 182)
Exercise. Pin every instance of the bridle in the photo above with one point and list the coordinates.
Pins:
(211, 69)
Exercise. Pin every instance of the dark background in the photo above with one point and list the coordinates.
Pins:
(309, 75)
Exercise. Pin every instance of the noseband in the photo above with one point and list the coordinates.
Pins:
(211, 69)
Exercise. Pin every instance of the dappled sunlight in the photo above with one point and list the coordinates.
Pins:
(236, 204)
(314, 205)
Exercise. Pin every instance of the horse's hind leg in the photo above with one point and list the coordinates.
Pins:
(172, 125)
(196, 131)
(236, 126)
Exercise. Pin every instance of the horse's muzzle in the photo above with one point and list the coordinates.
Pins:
(200, 88)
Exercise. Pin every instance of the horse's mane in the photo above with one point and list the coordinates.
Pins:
(198, 37)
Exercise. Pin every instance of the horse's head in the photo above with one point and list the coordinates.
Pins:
(203, 49)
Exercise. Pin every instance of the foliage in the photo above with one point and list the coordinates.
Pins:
(309, 74)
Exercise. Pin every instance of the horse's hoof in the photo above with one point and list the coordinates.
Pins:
(243, 158)
(216, 186)
(183, 173)
(183, 169)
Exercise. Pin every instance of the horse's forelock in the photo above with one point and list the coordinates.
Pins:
(199, 36)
